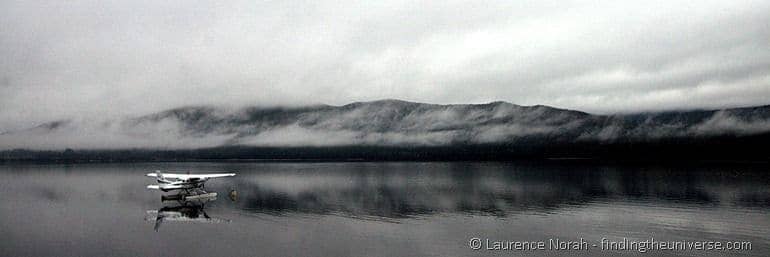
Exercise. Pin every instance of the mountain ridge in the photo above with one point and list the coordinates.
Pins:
(387, 122)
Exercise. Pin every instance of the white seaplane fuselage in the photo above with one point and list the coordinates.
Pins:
(182, 181)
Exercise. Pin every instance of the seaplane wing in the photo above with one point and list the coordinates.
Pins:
(165, 187)
(191, 176)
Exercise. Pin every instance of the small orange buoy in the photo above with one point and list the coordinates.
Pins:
(233, 195)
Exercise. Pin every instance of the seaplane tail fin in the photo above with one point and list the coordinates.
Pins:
(161, 178)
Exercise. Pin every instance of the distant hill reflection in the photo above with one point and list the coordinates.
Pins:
(402, 190)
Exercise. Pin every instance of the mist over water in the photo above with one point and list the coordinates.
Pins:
(381, 209)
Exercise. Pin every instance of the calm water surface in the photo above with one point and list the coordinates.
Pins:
(382, 209)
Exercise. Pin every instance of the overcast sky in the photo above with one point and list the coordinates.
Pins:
(65, 58)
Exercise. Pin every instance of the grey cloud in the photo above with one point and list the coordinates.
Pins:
(724, 121)
(72, 60)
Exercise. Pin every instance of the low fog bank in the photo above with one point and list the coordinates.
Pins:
(380, 123)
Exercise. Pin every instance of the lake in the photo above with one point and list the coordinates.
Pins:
(387, 209)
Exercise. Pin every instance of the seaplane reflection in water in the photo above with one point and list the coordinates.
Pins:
(191, 197)
(192, 213)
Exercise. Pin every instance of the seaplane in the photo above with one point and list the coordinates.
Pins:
(190, 186)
